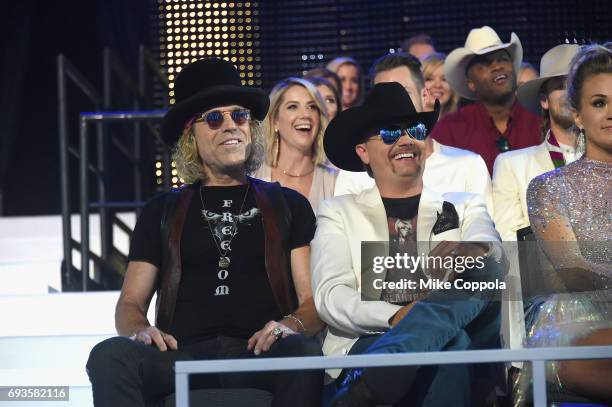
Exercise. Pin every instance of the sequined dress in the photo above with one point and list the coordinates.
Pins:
(570, 210)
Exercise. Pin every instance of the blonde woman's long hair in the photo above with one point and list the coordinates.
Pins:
(272, 137)
(190, 166)
(428, 66)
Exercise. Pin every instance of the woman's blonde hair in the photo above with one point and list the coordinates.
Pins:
(428, 66)
(271, 135)
(190, 166)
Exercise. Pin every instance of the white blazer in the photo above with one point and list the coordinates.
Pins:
(446, 169)
(512, 172)
(343, 223)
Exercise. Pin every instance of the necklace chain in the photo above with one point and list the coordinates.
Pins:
(234, 231)
(287, 173)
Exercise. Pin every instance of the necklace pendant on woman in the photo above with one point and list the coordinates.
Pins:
(224, 262)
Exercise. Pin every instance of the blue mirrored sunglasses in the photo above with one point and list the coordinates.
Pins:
(390, 136)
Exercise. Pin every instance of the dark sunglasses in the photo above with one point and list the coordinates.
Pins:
(390, 136)
(502, 144)
(215, 118)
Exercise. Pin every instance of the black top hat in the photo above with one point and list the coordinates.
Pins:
(388, 104)
(205, 84)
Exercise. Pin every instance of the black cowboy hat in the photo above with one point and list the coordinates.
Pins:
(205, 84)
(388, 104)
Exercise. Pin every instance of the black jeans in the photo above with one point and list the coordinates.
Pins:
(128, 373)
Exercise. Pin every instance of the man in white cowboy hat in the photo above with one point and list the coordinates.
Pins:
(367, 308)
(228, 256)
(485, 70)
(446, 168)
(513, 170)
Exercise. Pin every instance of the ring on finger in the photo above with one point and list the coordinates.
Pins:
(277, 332)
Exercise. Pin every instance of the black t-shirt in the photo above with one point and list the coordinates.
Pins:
(401, 221)
(213, 300)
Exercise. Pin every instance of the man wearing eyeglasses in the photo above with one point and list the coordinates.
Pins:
(446, 168)
(227, 255)
(374, 296)
(485, 70)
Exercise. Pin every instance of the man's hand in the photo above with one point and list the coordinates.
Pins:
(460, 249)
(400, 314)
(456, 249)
(262, 340)
(151, 335)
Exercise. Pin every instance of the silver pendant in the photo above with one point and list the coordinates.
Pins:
(224, 262)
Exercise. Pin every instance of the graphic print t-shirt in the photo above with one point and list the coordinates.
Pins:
(402, 222)
(235, 301)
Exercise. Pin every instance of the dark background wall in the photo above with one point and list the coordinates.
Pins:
(298, 35)
(292, 36)
(33, 34)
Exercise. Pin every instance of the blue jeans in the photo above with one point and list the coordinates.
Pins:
(445, 320)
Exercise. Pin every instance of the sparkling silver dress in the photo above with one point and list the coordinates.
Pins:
(570, 210)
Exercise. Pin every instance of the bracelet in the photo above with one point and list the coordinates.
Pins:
(297, 320)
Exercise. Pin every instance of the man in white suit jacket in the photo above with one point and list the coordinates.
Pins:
(452, 224)
(513, 171)
(446, 168)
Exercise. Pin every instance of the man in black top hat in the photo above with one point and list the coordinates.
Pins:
(374, 303)
(227, 255)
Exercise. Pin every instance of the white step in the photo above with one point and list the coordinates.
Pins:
(31, 250)
(91, 313)
(35, 238)
(19, 352)
(51, 376)
(39, 277)
(45, 340)
(58, 314)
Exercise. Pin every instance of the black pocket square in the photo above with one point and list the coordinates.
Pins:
(447, 220)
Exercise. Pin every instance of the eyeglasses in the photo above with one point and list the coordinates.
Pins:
(502, 144)
(216, 118)
(390, 136)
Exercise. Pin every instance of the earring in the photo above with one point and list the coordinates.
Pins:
(581, 142)
(276, 145)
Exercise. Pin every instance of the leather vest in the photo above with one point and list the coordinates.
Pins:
(276, 219)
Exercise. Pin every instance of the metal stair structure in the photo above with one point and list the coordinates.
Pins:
(59, 275)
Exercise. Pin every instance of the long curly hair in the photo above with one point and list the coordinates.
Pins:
(190, 166)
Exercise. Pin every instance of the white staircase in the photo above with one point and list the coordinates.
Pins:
(45, 335)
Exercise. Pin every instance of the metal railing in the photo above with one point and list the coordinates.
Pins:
(537, 356)
(102, 204)
(112, 69)
(65, 72)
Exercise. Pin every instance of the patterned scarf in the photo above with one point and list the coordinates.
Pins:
(555, 151)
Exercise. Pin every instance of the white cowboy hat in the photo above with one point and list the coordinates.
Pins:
(479, 41)
(555, 62)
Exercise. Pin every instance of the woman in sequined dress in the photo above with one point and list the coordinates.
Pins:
(570, 210)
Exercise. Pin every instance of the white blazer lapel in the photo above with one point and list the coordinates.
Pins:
(429, 207)
(373, 229)
(543, 160)
(371, 206)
